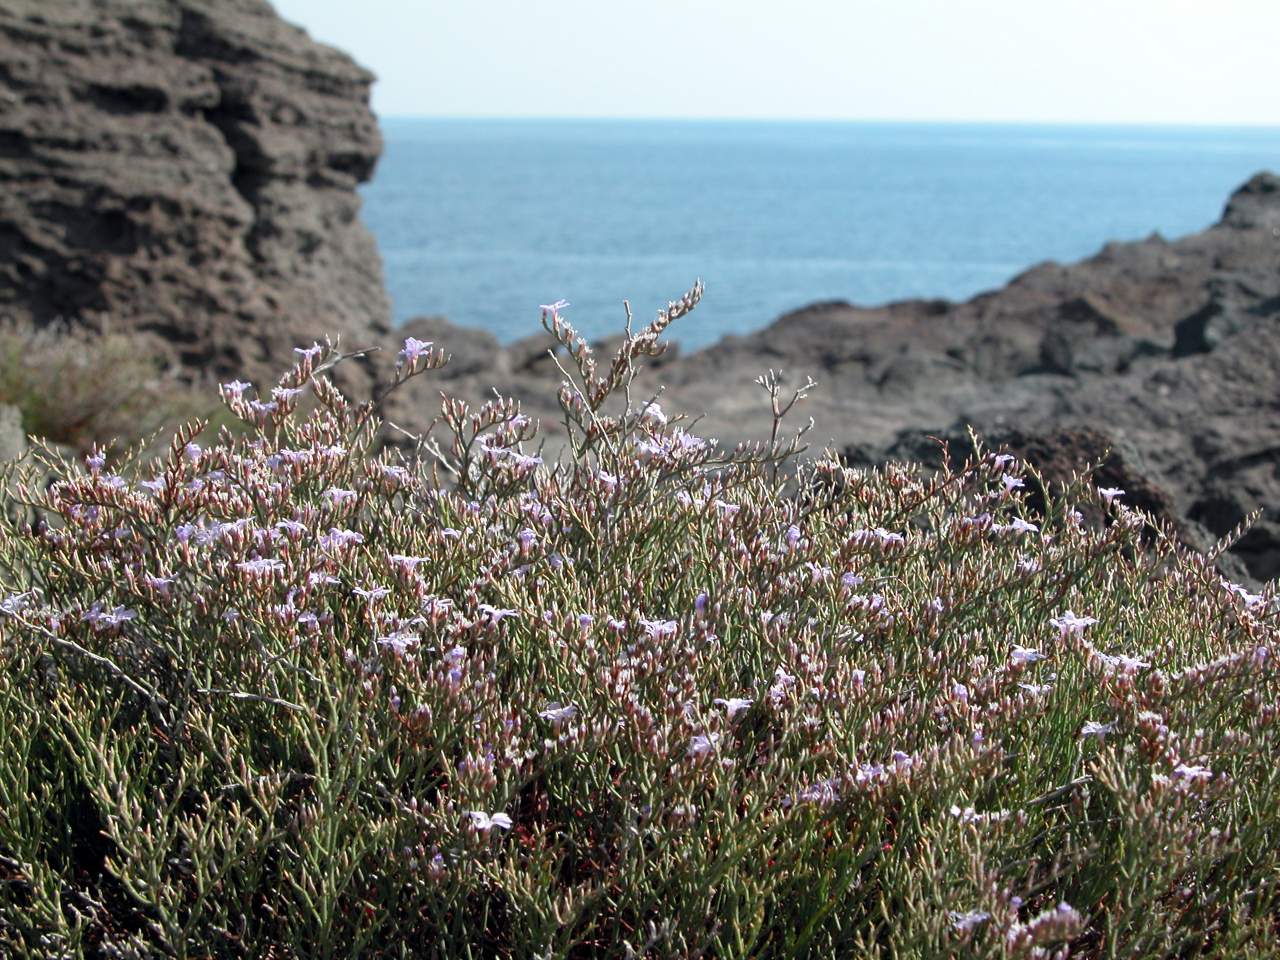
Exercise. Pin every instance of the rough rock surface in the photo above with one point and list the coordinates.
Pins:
(1167, 353)
(187, 169)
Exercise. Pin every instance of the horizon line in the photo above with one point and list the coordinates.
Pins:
(1252, 125)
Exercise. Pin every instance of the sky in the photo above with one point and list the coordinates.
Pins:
(1049, 61)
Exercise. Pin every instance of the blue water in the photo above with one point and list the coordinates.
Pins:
(482, 220)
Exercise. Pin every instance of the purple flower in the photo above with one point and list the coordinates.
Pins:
(336, 539)
(338, 496)
(824, 792)
(236, 388)
(286, 394)
(1092, 728)
(263, 567)
(16, 603)
(1185, 771)
(523, 461)
(658, 629)
(1068, 624)
(495, 615)
(1122, 663)
(310, 352)
(792, 537)
(1011, 483)
(878, 535)
(160, 585)
(651, 415)
(1018, 525)
(703, 745)
(608, 481)
(393, 471)
(968, 920)
(405, 563)
(102, 619)
(970, 816)
(371, 594)
(727, 510)
(1036, 689)
(1004, 459)
(1026, 655)
(558, 714)
(292, 527)
(400, 641)
(263, 409)
(413, 350)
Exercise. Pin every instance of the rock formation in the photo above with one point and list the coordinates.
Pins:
(186, 169)
(1165, 353)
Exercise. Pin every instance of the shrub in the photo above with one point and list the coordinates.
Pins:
(293, 694)
(80, 389)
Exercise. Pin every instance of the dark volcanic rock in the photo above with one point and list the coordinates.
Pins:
(1168, 351)
(185, 168)
(1165, 353)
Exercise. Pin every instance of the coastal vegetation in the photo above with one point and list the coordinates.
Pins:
(294, 691)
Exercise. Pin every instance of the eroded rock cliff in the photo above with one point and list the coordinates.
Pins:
(186, 169)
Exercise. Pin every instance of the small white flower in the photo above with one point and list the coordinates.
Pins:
(483, 822)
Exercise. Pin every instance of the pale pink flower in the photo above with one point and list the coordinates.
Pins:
(310, 352)
(1068, 624)
(1109, 494)
(553, 308)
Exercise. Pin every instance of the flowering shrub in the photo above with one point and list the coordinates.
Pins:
(291, 693)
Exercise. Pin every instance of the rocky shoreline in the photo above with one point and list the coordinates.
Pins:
(1163, 357)
(187, 170)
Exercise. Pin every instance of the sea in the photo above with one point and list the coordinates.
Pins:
(480, 221)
